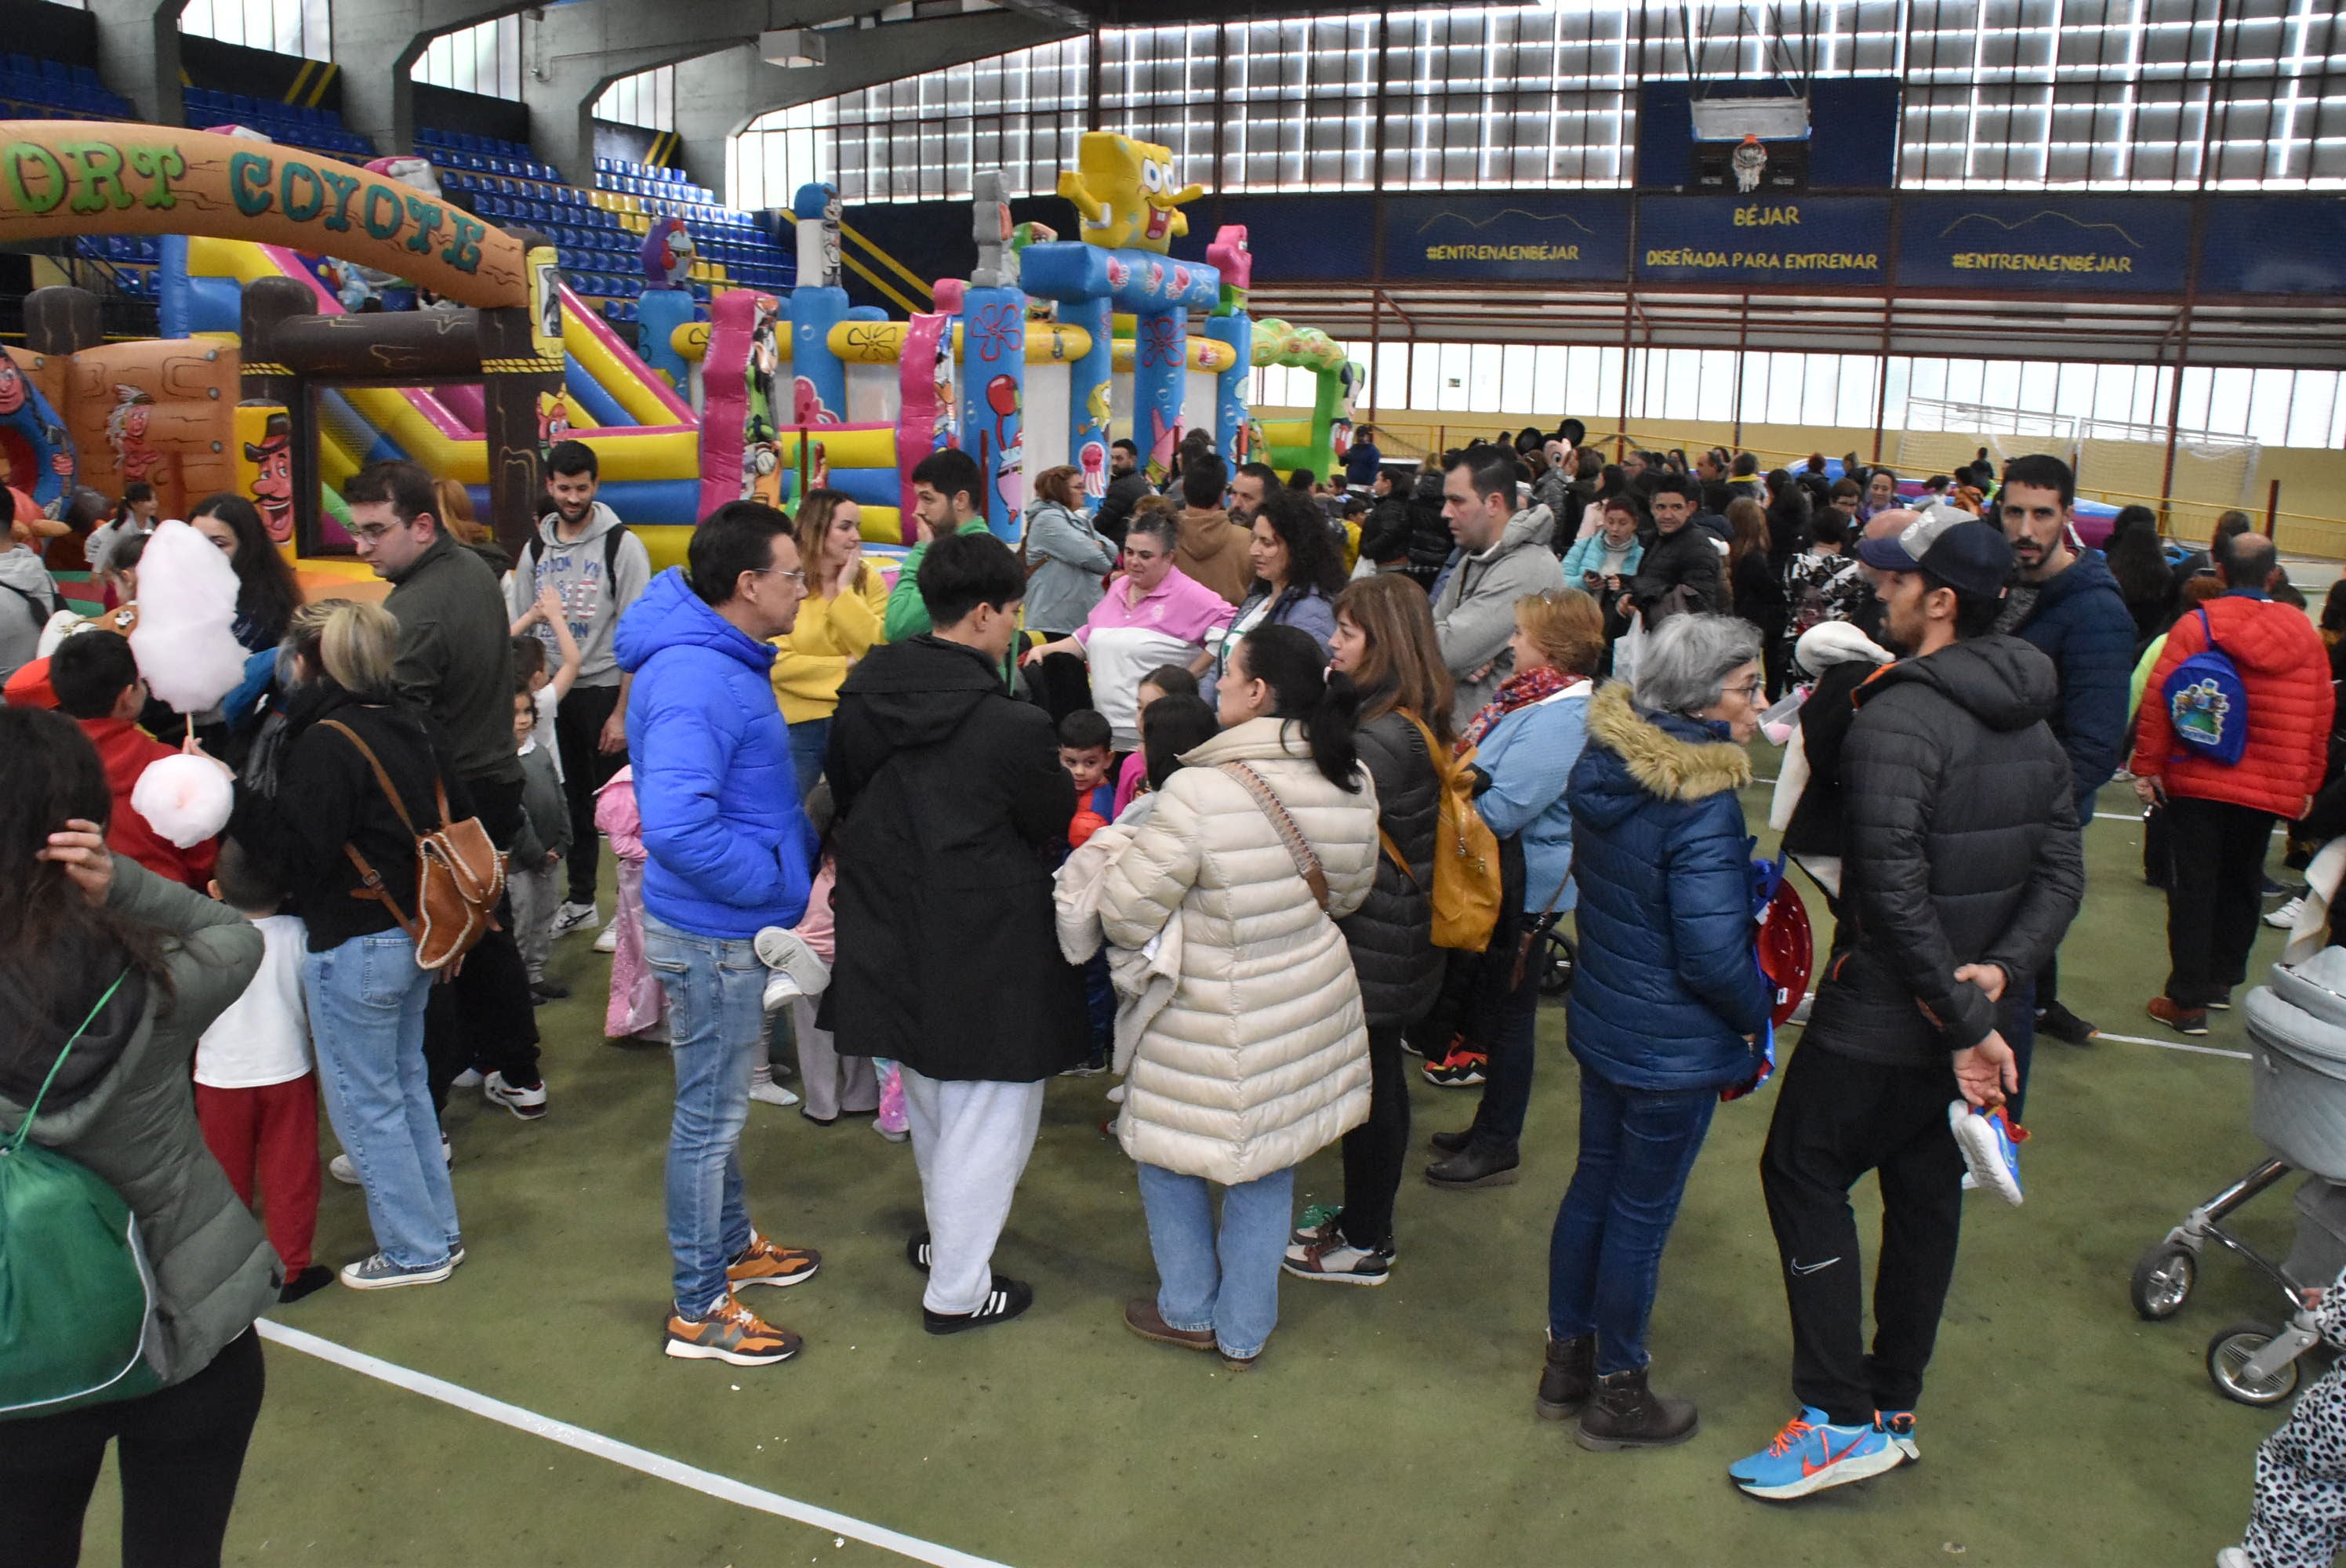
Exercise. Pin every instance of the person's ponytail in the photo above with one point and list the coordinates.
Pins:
(1304, 692)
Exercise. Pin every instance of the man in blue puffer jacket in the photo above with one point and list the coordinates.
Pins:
(2067, 604)
(730, 853)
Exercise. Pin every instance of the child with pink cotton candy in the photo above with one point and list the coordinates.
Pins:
(638, 1008)
(801, 957)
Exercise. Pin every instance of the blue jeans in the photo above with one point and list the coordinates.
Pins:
(1605, 1260)
(366, 1012)
(1224, 1279)
(809, 739)
(716, 1036)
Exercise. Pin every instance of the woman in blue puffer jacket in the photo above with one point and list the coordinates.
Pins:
(1663, 1010)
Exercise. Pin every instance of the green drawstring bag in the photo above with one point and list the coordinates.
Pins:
(77, 1297)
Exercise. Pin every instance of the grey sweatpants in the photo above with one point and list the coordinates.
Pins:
(970, 1141)
(534, 894)
(829, 1081)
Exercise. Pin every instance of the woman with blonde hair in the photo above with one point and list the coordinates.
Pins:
(345, 720)
(1525, 743)
(1384, 641)
(842, 617)
(1068, 563)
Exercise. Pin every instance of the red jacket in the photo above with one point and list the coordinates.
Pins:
(2285, 670)
(125, 749)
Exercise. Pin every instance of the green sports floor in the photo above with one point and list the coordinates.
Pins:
(1384, 1426)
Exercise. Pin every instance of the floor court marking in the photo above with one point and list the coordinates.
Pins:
(660, 1466)
(2178, 1045)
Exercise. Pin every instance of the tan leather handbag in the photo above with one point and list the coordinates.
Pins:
(460, 875)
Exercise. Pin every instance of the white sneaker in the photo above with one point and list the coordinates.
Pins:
(607, 940)
(894, 1134)
(2285, 917)
(527, 1104)
(470, 1078)
(569, 916)
(782, 990)
(785, 951)
(342, 1171)
(771, 1094)
(1800, 1013)
(1116, 1095)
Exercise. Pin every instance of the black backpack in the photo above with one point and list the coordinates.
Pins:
(610, 551)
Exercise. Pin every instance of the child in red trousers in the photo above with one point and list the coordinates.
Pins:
(256, 1083)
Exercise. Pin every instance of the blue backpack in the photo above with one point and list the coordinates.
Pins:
(2208, 703)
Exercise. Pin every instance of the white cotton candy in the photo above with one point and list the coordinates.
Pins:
(185, 798)
(186, 608)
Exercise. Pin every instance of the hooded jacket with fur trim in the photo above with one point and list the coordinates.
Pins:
(1668, 989)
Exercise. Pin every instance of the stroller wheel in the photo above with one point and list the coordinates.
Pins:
(2163, 1281)
(2228, 1354)
(1558, 964)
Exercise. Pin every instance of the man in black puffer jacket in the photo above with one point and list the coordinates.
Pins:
(1962, 870)
(1430, 543)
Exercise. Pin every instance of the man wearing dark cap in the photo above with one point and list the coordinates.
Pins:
(1962, 872)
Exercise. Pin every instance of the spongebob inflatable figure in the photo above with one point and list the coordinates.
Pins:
(1124, 191)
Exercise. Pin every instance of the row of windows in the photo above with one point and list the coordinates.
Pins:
(300, 27)
(2024, 93)
(648, 99)
(1545, 383)
(485, 59)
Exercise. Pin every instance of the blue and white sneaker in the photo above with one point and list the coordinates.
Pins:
(1898, 1426)
(1809, 1456)
(1990, 1146)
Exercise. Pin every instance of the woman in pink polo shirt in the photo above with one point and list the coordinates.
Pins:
(1153, 614)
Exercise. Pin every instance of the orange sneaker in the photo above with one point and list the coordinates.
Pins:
(731, 1333)
(763, 1263)
(2182, 1020)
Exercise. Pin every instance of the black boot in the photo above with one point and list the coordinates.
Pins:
(1567, 1379)
(1451, 1143)
(1477, 1164)
(1625, 1413)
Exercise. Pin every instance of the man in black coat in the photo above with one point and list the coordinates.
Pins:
(1681, 556)
(1963, 870)
(1126, 485)
(952, 811)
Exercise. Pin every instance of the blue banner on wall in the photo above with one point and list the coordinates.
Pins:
(2274, 245)
(1294, 239)
(1516, 236)
(2069, 244)
(1763, 240)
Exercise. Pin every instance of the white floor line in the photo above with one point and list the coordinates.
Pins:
(2178, 1045)
(723, 1488)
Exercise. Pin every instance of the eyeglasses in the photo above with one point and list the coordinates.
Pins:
(1748, 690)
(798, 577)
(371, 532)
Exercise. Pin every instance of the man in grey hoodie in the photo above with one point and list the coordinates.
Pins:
(596, 568)
(1504, 555)
(29, 597)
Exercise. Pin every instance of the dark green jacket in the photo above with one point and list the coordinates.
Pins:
(133, 1122)
(455, 659)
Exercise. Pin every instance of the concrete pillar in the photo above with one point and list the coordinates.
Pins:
(138, 53)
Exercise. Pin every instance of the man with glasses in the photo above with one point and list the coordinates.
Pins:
(728, 853)
(1155, 614)
(456, 666)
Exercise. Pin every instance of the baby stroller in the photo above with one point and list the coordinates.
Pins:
(2297, 1034)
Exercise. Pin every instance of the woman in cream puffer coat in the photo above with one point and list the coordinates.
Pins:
(1260, 1056)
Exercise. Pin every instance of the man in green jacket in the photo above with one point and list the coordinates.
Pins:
(945, 490)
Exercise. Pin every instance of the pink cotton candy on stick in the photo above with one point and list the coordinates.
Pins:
(185, 798)
(186, 646)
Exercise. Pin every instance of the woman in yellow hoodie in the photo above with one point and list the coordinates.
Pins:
(839, 622)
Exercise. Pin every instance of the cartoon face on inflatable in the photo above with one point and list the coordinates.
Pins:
(1125, 192)
(409, 170)
(272, 486)
(667, 254)
(12, 386)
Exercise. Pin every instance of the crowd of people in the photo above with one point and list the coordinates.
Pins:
(1247, 790)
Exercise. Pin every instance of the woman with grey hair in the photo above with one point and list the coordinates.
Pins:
(1664, 1010)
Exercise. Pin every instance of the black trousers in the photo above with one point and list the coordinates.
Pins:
(586, 768)
(2215, 895)
(182, 1450)
(1062, 683)
(1375, 1151)
(483, 1018)
(1837, 1118)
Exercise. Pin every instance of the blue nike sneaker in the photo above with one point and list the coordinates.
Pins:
(1898, 1426)
(1744, 1470)
(1991, 1146)
(1809, 1456)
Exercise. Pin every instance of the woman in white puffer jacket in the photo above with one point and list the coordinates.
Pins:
(1261, 1057)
